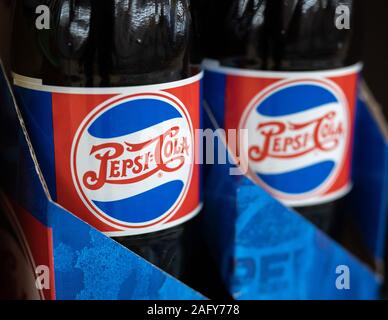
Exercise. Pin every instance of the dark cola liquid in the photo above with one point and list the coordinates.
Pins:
(281, 35)
(109, 43)
(103, 43)
(284, 35)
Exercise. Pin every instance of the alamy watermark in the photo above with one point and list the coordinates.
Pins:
(42, 22)
(343, 279)
(42, 281)
(342, 18)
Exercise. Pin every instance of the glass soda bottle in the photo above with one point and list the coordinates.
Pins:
(98, 45)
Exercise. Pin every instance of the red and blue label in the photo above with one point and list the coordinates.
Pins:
(298, 125)
(121, 159)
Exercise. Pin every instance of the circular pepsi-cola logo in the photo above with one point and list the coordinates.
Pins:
(298, 133)
(132, 160)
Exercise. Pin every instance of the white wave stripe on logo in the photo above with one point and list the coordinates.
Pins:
(117, 170)
(290, 139)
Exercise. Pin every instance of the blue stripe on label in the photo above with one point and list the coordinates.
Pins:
(36, 107)
(144, 207)
(214, 92)
(299, 181)
(295, 99)
(131, 117)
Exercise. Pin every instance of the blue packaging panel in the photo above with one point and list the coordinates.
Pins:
(266, 251)
(93, 267)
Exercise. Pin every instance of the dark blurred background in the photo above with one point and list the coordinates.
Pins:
(375, 49)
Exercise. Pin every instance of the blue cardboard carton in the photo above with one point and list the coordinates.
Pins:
(266, 250)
